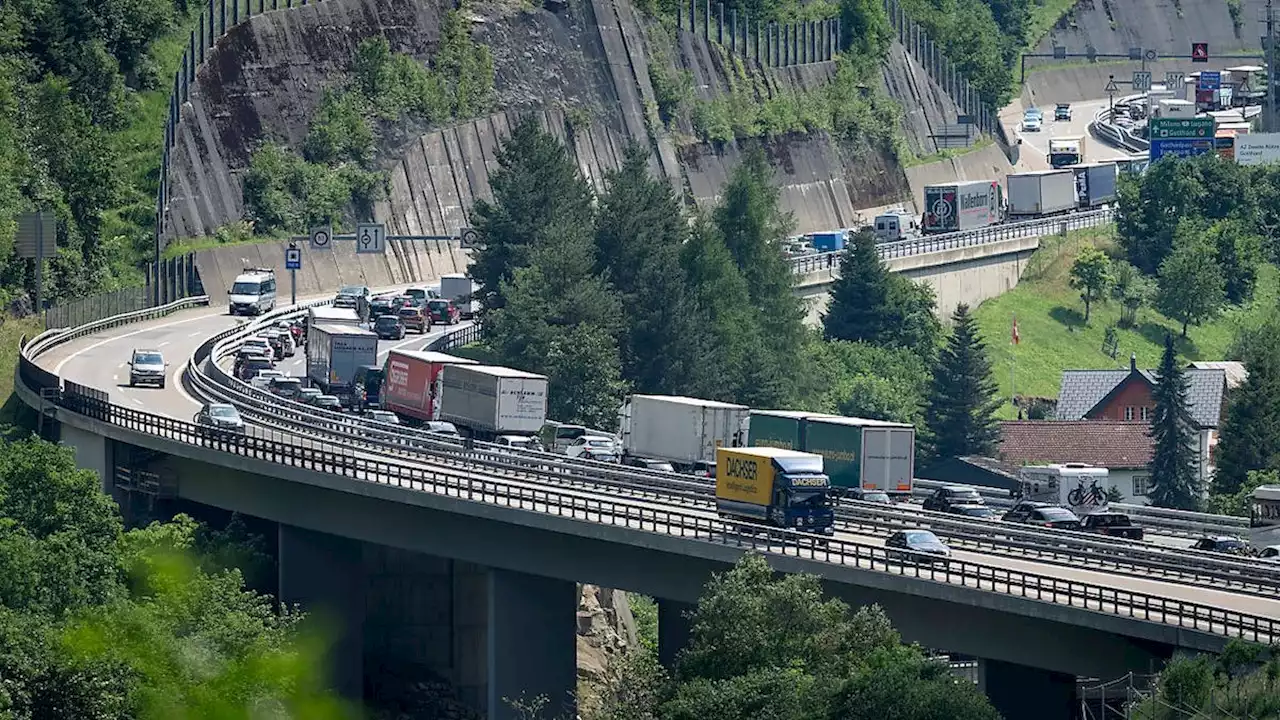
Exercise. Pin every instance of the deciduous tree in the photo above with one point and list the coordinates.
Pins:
(1091, 275)
(960, 413)
(1131, 289)
(1174, 468)
(1192, 288)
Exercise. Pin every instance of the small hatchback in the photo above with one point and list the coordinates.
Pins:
(414, 318)
(444, 312)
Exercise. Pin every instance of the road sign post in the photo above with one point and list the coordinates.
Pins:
(37, 239)
(371, 238)
(1111, 90)
(293, 263)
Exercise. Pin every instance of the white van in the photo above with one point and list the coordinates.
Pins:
(253, 292)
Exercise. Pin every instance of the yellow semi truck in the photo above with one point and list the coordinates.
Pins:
(785, 488)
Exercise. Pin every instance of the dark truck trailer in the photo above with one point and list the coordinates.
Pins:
(856, 452)
(962, 206)
(335, 353)
(1096, 183)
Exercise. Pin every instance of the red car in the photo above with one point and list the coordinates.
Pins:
(443, 312)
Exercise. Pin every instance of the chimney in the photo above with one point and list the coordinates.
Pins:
(1133, 362)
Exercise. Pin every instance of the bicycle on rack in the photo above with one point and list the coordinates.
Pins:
(1094, 495)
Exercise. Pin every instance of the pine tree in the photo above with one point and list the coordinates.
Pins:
(640, 229)
(960, 412)
(859, 296)
(1251, 431)
(536, 188)
(721, 294)
(1173, 463)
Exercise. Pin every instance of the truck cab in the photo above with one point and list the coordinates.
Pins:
(783, 488)
(1064, 152)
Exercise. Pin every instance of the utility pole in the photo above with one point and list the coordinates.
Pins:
(1269, 48)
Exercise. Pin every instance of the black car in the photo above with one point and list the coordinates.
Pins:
(1223, 544)
(1042, 515)
(919, 546)
(389, 327)
(380, 306)
(944, 497)
(249, 365)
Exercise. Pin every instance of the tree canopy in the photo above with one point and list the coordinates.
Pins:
(1174, 478)
(769, 647)
(960, 411)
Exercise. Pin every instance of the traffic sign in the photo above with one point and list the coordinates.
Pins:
(37, 235)
(1059, 52)
(1180, 147)
(1166, 128)
(1210, 80)
(1200, 52)
(292, 259)
(468, 237)
(1141, 79)
(1135, 53)
(1152, 55)
(321, 237)
(371, 238)
(1111, 87)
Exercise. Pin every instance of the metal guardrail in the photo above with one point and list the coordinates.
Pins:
(318, 457)
(1065, 547)
(967, 238)
(1173, 521)
(1117, 135)
(90, 396)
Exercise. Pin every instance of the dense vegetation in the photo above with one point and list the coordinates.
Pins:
(764, 647)
(336, 176)
(626, 292)
(99, 623)
(83, 91)
(1242, 682)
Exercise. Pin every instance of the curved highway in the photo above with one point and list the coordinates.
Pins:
(99, 361)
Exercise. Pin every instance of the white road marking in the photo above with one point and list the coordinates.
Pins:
(115, 378)
(162, 344)
(177, 384)
(57, 370)
(197, 333)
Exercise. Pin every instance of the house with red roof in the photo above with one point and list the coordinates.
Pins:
(1122, 447)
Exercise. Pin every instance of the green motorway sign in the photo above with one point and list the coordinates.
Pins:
(1181, 128)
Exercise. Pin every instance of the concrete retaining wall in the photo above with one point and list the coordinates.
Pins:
(988, 163)
(925, 107)
(1076, 84)
(1167, 26)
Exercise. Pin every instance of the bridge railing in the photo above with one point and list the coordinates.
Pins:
(363, 435)
(966, 238)
(316, 456)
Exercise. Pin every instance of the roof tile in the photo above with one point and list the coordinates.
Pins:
(1102, 443)
(1082, 390)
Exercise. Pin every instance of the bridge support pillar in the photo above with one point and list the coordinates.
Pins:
(93, 452)
(325, 574)
(673, 630)
(533, 644)
(1019, 691)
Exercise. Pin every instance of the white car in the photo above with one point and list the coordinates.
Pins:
(1032, 123)
(594, 447)
(262, 380)
(260, 346)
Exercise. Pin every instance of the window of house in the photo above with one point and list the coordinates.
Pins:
(1141, 485)
(1144, 413)
(1128, 413)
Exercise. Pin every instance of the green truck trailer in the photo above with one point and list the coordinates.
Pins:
(856, 452)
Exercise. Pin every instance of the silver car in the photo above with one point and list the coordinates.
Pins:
(221, 416)
(147, 367)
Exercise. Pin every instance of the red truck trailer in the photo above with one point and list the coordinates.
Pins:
(412, 382)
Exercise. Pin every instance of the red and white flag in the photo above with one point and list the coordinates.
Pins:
(1015, 337)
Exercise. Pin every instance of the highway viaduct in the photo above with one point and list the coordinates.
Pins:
(484, 594)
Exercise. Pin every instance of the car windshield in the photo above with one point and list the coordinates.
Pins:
(327, 400)
(661, 466)
(1056, 514)
(388, 321)
(922, 537)
(876, 497)
(408, 311)
(351, 290)
(965, 495)
(438, 304)
(975, 511)
(223, 411)
(245, 288)
(147, 359)
(384, 416)
(599, 442)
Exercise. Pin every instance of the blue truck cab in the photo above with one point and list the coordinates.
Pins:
(784, 488)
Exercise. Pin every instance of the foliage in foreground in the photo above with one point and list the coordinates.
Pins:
(101, 624)
(1242, 682)
(769, 647)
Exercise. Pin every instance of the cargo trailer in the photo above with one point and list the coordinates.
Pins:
(1096, 184)
(962, 206)
(412, 382)
(335, 353)
(828, 241)
(870, 454)
(681, 430)
(486, 401)
(462, 291)
(1046, 192)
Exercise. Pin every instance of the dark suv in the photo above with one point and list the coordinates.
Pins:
(1223, 544)
(947, 496)
(1042, 515)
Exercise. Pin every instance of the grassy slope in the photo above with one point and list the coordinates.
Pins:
(1054, 337)
(11, 333)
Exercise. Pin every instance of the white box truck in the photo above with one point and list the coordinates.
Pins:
(1041, 193)
(334, 353)
(488, 401)
(684, 431)
(462, 291)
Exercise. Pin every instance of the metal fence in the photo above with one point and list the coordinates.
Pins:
(217, 17)
(167, 281)
(941, 69)
(770, 44)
